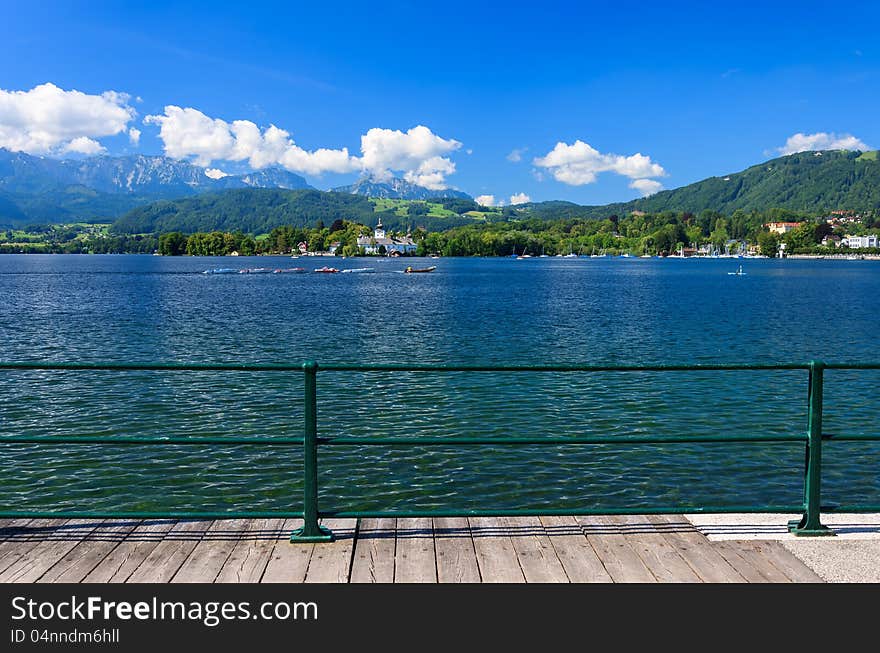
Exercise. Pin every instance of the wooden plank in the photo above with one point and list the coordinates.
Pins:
(759, 569)
(166, 558)
(127, 556)
(786, 562)
(289, 562)
(578, 558)
(495, 553)
(696, 549)
(249, 557)
(415, 560)
(331, 561)
(659, 555)
(208, 557)
(456, 556)
(620, 560)
(54, 544)
(19, 542)
(374, 551)
(536, 555)
(86, 555)
(11, 528)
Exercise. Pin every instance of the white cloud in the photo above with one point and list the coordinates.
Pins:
(646, 186)
(801, 142)
(520, 198)
(215, 173)
(417, 154)
(485, 200)
(190, 134)
(50, 120)
(579, 163)
(83, 145)
(516, 155)
(134, 135)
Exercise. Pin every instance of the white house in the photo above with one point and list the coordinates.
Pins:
(857, 242)
(371, 244)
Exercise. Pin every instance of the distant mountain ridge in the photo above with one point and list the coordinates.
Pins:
(42, 189)
(397, 189)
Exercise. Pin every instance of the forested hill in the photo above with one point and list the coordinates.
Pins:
(258, 211)
(811, 182)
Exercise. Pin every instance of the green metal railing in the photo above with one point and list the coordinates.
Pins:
(312, 531)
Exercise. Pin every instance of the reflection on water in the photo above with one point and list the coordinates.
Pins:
(497, 311)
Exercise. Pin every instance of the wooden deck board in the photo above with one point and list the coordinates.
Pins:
(331, 561)
(89, 553)
(574, 551)
(415, 560)
(403, 550)
(456, 555)
(663, 559)
(127, 556)
(699, 553)
(250, 555)
(536, 555)
(495, 553)
(620, 560)
(56, 543)
(288, 563)
(166, 558)
(210, 555)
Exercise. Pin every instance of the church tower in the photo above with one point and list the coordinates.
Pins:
(379, 232)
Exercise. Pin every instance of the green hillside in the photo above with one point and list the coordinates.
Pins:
(258, 211)
(810, 182)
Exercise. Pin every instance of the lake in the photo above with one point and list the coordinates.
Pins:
(469, 311)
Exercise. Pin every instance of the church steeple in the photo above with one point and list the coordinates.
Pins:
(379, 232)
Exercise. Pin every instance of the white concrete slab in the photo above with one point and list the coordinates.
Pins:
(754, 526)
(852, 556)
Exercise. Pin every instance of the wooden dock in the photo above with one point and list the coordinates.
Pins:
(640, 549)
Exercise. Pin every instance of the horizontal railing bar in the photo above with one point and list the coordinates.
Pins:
(558, 512)
(559, 368)
(171, 367)
(330, 367)
(623, 440)
(111, 440)
(852, 366)
(853, 508)
(143, 514)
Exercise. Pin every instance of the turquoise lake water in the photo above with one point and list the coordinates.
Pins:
(470, 311)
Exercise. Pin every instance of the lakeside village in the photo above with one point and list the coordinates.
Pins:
(839, 234)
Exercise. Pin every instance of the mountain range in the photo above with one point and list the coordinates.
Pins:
(398, 189)
(148, 193)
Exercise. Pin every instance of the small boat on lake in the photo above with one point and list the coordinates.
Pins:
(326, 270)
(289, 271)
(255, 271)
(411, 270)
(359, 270)
(738, 273)
(220, 271)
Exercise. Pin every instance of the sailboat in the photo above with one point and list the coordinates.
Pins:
(738, 273)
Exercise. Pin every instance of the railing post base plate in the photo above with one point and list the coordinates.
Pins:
(301, 536)
(815, 530)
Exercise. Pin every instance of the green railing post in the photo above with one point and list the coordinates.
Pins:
(311, 530)
(810, 524)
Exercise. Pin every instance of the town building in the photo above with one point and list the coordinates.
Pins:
(781, 227)
(393, 246)
(858, 242)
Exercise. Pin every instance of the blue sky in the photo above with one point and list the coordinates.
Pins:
(697, 89)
